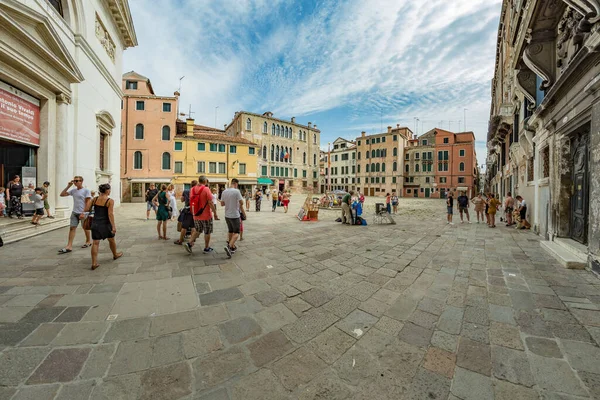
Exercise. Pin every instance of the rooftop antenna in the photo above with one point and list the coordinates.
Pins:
(179, 93)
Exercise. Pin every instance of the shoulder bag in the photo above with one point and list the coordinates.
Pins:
(87, 222)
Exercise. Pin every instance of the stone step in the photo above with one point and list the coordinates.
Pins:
(18, 225)
(25, 231)
(566, 257)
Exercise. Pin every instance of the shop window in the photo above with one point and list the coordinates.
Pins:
(166, 107)
(221, 168)
(166, 161)
(242, 169)
(546, 162)
(166, 132)
(178, 167)
(137, 160)
(139, 132)
(201, 167)
(140, 105)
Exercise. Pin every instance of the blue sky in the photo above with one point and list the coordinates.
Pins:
(346, 66)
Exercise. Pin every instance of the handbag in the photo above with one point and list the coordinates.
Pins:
(89, 219)
(243, 216)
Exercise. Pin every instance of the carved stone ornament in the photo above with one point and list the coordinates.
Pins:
(573, 30)
(105, 39)
(590, 9)
(526, 83)
(538, 56)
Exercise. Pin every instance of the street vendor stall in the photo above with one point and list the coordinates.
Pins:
(310, 209)
(332, 200)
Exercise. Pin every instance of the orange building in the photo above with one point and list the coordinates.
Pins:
(147, 132)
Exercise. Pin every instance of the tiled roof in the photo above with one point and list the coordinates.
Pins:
(312, 128)
(210, 134)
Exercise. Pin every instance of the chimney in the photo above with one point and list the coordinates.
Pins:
(176, 94)
(363, 134)
(309, 124)
(389, 129)
(397, 126)
(293, 120)
(189, 125)
(224, 127)
(315, 126)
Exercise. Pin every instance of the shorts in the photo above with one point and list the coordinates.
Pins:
(394, 203)
(523, 213)
(74, 220)
(39, 211)
(204, 226)
(233, 224)
(508, 210)
(46, 205)
(463, 209)
(450, 212)
(150, 206)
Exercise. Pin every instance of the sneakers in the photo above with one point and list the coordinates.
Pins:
(188, 247)
(228, 252)
(208, 250)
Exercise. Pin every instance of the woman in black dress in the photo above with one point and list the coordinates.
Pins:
(103, 224)
(13, 197)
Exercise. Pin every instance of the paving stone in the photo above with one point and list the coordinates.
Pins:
(342, 305)
(25, 300)
(98, 361)
(316, 297)
(106, 288)
(212, 315)
(440, 361)
(559, 316)
(522, 300)
(41, 315)
(587, 317)
(582, 356)
(128, 329)
(309, 325)
(505, 335)
(46, 392)
(595, 333)
(468, 385)
(548, 301)
(402, 308)
(501, 314)
(389, 325)
(401, 359)
(511, 365)
(201, 341)
(289, 290)
(543, 347)
(476, 315)
(166, 383)
(428, 385)
(431, 305)
(533, 324)
(61, 365)
(203, 287)
(167, 349)
(81, 333)
(357, 323)
(592, 381)
(131, 356)
(444, 341)
(43, 335)
(269, 347)
(254, 287)
(499, 299)
(297, 305)
(362, 290)
(415, 334)
(374, 307)
(424, 319)
(507, 391)
(76, 391)
(254, 387)
(451, 320)
(239, 329)
(172, 323)
(385, 296)
(555, 375)
(72, 314)
(331, 344)
(570, 331)
(479, 333)
(298, 368)
(326, 386)
(220, 296)
(219, 366)
(474, 356)
(269, 297)
(120, 387)
(244, 307)
(219, 394)
(17, 364)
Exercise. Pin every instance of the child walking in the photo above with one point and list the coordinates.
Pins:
(38, 204)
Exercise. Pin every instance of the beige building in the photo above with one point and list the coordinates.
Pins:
(419, 168)
(379, 161)
(147, 134)
(288, 152)
(340, 166)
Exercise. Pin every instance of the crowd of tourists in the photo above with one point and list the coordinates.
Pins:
(15, 194)
(487, 206)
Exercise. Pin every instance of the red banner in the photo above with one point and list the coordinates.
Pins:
(19, 116)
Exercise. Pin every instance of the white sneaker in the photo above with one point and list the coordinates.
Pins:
(462, 222)
(468, 222)
(451, 223)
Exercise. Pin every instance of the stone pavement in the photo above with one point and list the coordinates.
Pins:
(419, 310)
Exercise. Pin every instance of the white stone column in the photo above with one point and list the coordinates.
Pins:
(63, 154)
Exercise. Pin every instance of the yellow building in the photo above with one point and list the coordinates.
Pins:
(200, 150)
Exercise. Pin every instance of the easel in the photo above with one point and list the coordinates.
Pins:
(310, 210)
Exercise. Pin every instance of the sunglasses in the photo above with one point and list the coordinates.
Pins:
(77, 180)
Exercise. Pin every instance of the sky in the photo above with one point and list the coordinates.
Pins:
(346, 65)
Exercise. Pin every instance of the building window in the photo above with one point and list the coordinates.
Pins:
(367, 168)
(251, 151)
(304, 158)
(304, 173)
(272, 152)
(382, 167)
(424, 142)
(213, 147)
(345, 157)
(315, 159)
(372, 153)
(546, 162)
(222, 168)
(530, 169)
(416, 167)
(263, 170)
(287, 132)
(221, 148)
(296, 173)
(272, 171)
(139, 105)
(461, 152)
(137, 160)
(102, 149)
(277, 153)
(201, 146)
(232, 149)
(407, 168)
(377, 153)
(407, 156)
(166, 132)
(278, 130)
(461, 179)
(461, 167)
(395, 138)
(242, 169)
(201, 167)
(166, 161)
(166, 107)
(443, 179)
(395, 152)
(178, 146)
(178, 167)
(212, 167)
(273, 129)
(395, 166)
(131, 85)
(265, 127)
(248, 124)
(427, 180)
(408, 191)
(139, 132)
(446, 140)
(314, 138)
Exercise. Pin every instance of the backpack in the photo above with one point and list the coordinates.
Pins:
(195, 202)
(362, 198)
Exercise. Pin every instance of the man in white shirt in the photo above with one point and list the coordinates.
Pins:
(81, 197)
(233, 201)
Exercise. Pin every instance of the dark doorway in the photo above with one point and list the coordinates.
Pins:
(427, 193)
(579, 191)
(13, 157)
(416, 193)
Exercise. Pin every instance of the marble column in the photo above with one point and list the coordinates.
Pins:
(63, 154)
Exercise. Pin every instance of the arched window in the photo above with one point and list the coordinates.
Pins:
(166, 132)
(278, 130)
(372, 167)
(272, 152)
(277, 151)
(291, 134)
(372, 153)
(314, 138)
(395, 166)
(304, 157)
(377, 153)
(265, 127)
(314, 159)
(166, 161)
(383, 167)
(139, 131)
(461, 166)
(395, 152)
(273, 129)
(290, 159)
(407, 168)
(367, 167)
(377, 167)
(416, 167)
(264, 152)
(286, 132)
(137, 160)
(248, 124)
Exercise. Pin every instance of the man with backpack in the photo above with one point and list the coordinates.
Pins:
(150, 194)
(202, 207)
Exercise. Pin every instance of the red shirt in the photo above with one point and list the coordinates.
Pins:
(201, 197)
